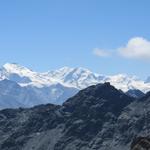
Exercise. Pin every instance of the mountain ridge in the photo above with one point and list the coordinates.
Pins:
(34, 88)
(79, 78)
(99, 117)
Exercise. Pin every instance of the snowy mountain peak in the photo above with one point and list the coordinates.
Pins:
(24, 76)
(78, 78)
(68, 70)
(16, 68)
(65, 69)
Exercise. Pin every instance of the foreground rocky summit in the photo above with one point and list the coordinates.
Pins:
(97, 118)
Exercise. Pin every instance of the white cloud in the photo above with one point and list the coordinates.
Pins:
(100, 52)
(138, 48)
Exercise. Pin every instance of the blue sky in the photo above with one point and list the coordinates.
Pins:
(49, 34)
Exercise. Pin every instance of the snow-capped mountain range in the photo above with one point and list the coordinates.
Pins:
(22, 87)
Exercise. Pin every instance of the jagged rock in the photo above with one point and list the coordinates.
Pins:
(97, 118)
(141, 143)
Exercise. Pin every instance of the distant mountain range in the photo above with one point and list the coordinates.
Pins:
(22, 87)
(99, 117)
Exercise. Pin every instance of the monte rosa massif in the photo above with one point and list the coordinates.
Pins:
(22, 87)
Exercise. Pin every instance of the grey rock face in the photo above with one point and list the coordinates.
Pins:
(141, 143)
(97, 118)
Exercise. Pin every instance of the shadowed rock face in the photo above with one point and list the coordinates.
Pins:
(97, 118)
(141, 143)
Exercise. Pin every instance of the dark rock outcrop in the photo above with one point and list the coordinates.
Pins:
(141, 143)
(97, 118)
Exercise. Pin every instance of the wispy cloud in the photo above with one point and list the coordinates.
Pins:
(136, 48)
(101, 53)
